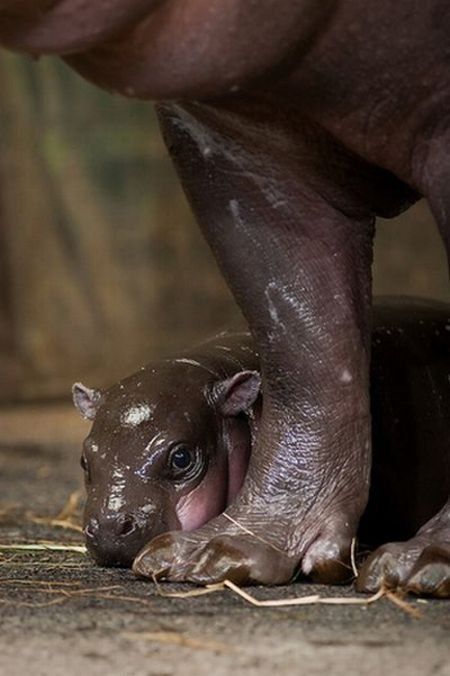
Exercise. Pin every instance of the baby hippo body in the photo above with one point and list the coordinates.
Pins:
(169, 445)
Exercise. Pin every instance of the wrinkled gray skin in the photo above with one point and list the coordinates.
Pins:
(292, 124)
(207, 404)
(203, 405)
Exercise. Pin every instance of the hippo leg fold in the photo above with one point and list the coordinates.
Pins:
(300, 270)
(421, 565)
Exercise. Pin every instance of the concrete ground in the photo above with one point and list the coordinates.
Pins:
(60, 614)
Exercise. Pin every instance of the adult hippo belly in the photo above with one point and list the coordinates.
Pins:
(295, 124)
(170, 446)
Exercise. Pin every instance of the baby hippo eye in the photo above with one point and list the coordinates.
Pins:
(183, 462)
(181, 458)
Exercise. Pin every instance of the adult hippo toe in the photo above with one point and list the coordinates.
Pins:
(295, 124)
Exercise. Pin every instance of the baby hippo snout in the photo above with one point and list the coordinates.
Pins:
(114, 540)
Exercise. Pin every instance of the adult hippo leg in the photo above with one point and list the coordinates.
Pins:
(422, 564)
(296, 248)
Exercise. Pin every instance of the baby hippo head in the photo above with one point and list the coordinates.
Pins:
(168, 450)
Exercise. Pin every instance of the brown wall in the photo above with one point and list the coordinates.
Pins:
(102, 266)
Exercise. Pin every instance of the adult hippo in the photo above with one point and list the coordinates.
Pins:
(292, 126)
(170, 445)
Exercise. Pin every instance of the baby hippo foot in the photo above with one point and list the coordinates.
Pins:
(245, 554)
(420, 565)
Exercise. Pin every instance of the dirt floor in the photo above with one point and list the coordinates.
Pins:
(60, 614)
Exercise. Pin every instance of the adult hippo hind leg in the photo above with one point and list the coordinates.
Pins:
(296, 249)
(422, 564)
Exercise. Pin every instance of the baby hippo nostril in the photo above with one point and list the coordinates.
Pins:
(91, 528)
(126, 525)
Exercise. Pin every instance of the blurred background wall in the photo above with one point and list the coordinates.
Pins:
(101, 264)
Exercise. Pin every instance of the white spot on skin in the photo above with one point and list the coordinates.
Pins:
(154, 441)
(272, 308)
(148, 509)
(136, 415)
(287, 297)
(116, 500)
(293, 301)
(245, 348)
(278, 297)
(94, 447)
(115, 503)
(198, 133)
(191, 362)
(346, 377)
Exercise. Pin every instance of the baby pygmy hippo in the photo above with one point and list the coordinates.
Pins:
(169, 445)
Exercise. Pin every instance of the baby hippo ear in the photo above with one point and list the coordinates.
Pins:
(237, 394)
(86, 400)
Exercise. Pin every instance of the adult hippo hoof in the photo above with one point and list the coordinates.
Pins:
(242, 557)
(234, 557)
(422, 570)
(420, 565)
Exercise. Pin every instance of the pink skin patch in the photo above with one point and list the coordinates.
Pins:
(238, 442)
(205, 502)
(221, 485)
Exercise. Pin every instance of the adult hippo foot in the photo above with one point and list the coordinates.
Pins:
(420, 565)
(239, 558)
(251, 551)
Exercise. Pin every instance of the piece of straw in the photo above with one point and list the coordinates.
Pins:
(47, 546)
